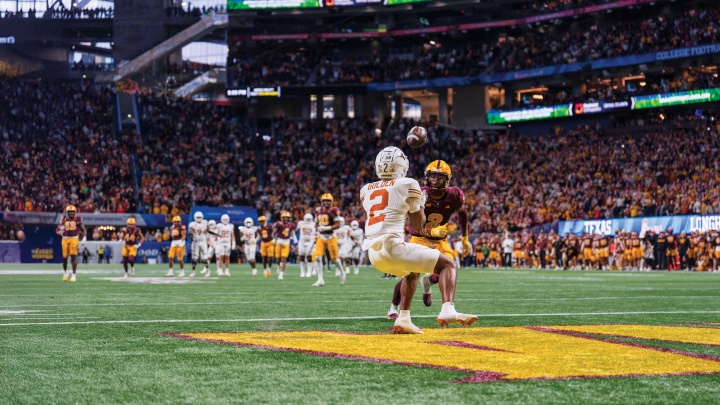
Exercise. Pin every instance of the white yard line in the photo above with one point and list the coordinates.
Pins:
(344, 318)
(162, 304)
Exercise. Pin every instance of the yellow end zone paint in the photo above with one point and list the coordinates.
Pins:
(707, 336)
(509, 353)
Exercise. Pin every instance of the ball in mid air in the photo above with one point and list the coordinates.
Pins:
(20, 235)
(416, 137)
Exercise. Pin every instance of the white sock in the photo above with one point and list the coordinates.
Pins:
(302, 269)
(65, 273)
(448, 308)
(404, 314)
(320, 273)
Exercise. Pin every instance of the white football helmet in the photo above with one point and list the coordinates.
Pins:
(248, 222)
(211, 224)
(198, 216)
(308, 217)
(391, 163)
(340, 219)
(354, 225)
(225, 219)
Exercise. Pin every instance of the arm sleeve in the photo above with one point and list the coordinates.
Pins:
(413, 196)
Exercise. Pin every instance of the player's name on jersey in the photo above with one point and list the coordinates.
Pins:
(381, 184)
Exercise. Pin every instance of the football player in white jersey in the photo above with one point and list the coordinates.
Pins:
(211, 241)
(357, 235)
(306, 244)
(388, 203)
(345, 243)
(248, 235)
(225, 244)
(198, 234)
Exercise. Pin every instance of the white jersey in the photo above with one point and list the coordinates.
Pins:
(342, 234)
(248, 235)
(357, 236)
(387, 203)
(307, 230)
(225, 232)
(198, 230)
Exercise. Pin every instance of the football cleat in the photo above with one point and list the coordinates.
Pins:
(342, 278)
(337, 272)
(65, 278)
(427, 293)
(254, 272)
(72, 278)
(269, 274)
(318, 284)
(204, 270)
(207, 274)
(125, 277)
(456, 318)
(169, 273)
(181, 274)
(192, 273)
(392, 312)
(405, 326)
(219, 272)
(227, 272)
(280, 275)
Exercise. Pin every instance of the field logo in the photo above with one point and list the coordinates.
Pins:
(506, 353)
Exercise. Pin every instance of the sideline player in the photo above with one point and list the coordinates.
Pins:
(443, 201)
(267, 245)
(306, 229)
(248, 235)
(198, 234)
(133, 239)
(178, 233)
(325, 216)
(225, 244)
(71, 229)
(282, 232)
(357, 236)
(387, 203)
(211, 242)
(344, 244)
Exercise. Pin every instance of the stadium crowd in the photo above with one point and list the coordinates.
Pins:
(57, 147)
(472, 57)
(615, 90)
(195, 153)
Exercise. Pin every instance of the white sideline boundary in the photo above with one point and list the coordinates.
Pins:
(346, 318)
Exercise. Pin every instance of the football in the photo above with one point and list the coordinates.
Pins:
(416, 137)
(20, 235)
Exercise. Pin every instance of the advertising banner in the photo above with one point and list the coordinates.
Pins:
(504, 117)
(89, 219)
(237, 214)
(10, 252)
(41, 245)
(607, 227)
(678, 98)
(112, 251)
(270, 4)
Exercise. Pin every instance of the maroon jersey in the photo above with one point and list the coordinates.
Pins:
(266, 233)
(284, 230)
(132, 237)
(326, 217)
(72, 226)
(176, 231)
(439, 212)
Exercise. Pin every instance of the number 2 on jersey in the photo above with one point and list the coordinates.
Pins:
(384, 197)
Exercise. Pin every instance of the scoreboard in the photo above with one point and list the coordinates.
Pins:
(234, 5)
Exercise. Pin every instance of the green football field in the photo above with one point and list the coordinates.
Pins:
(543, 337)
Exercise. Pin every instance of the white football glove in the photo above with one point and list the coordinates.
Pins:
(324, 228)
